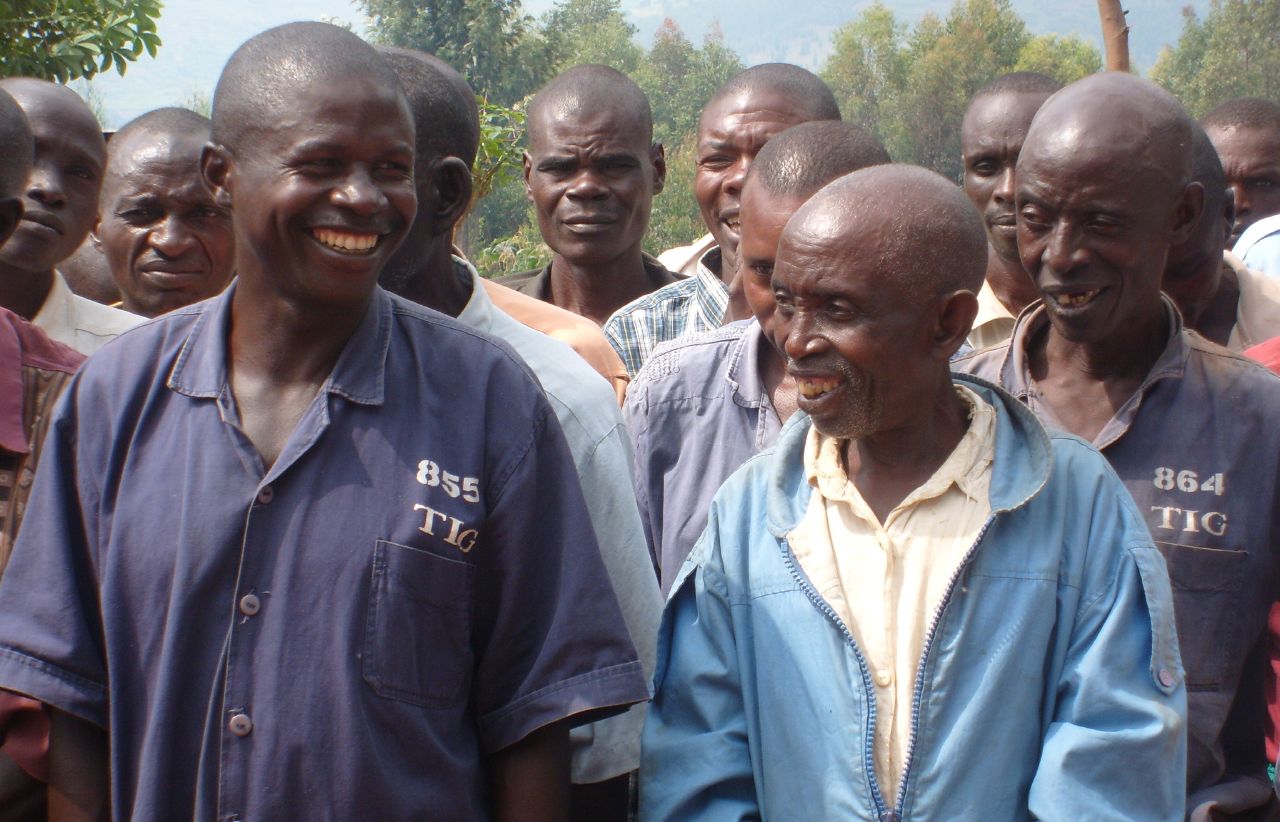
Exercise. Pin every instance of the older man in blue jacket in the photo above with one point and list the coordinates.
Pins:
(919, 604)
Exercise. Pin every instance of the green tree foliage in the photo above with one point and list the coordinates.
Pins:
(501, 51)
(1066, 59)
(1233, 52)
(911, 86)
(592, 31)
(65, 40)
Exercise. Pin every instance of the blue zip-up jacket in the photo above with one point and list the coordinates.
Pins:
(1050, 686)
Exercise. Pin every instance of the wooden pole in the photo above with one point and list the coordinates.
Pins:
(1115, 35)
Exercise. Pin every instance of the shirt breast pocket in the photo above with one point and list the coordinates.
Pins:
(417, 645)
(1206, 586)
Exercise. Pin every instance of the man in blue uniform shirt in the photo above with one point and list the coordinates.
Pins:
(307, 550)
(1104, 190)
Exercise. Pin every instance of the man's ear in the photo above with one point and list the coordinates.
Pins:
(528, 169)
(658, 156)
(93, 233)
(956, 313)
(452, 181)
(216, 169)
(10, 214)
(1186, 213)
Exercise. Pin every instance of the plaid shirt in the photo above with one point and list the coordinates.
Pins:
(694, 304)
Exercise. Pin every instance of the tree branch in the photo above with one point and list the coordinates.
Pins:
(1115, 34)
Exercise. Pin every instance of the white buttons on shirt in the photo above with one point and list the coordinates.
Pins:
(240, 725)
(884, 678)
(250, 605)
(1166, 677)
(266, 495)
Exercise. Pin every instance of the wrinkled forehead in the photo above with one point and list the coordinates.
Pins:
(751, 108)
(159, 168)
(1002, 115)
(571, 123)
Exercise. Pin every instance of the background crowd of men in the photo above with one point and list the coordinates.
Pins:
(962, 500)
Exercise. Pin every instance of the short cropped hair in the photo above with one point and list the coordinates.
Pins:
(445, 115)
(793, 82)
(804, 158)
(1245, 112)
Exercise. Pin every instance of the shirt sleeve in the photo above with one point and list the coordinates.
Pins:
(51, 635)
(695, 760)
(1116, 748)
(551, 641)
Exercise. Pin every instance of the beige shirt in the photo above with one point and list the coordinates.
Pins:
(684, 259)
(1258, 312)
(994, 323)
(887, 581)
(79, 323)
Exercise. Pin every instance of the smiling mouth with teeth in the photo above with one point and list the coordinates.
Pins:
(345, 241)
(1076, 300)
(811, 388)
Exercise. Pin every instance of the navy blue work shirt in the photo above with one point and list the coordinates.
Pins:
(412, 585)
(1198, 448)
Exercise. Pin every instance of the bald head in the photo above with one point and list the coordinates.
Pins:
(445, 114)
(270, 69)
(1120, 124)
(16, 148)
(917, 226)
(585, 90)
(804, 158)
(61, 193)
(812, 97)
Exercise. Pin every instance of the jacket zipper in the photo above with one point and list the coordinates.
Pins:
(924, 659)
(868, 746)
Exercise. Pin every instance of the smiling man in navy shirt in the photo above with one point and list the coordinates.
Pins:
(307, 550)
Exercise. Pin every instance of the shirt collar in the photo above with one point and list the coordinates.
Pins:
(711, 295)
(478, 312)
(743, 373)
(58, 309)
(966, 467)
(359, 375)
(1015, 371)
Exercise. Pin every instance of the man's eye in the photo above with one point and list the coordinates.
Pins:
(984, 168)
(139, 215)
(714, 161)
(1033, 219)
(764, 272)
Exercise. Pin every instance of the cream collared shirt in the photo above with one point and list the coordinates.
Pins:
(993, 324)
(80, 323)
(887, 581)
(1258, 312)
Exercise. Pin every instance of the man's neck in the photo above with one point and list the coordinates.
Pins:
(595, 292)
(1011, 284)
(1218, 319)
(283, 343)
(1126, 356)
(780, 387)
(887, 466)
(436, 284)
(24, 292)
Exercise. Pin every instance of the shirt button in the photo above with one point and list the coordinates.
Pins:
(1166, 677)
(884, 678)
(240, 725)
(266, 495)
(250, 605)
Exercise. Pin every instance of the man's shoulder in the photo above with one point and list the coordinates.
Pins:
(985, 362)
(526, 282)
(671, 296)
(1229, 376)
(693, 359)
(97, 318)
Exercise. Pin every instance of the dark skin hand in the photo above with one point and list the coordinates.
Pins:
(78, 775)
(529, 781)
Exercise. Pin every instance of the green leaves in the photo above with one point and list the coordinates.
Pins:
(64, 40)
(1233, 52)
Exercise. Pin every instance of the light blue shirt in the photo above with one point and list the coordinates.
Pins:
(587, 409)
(1259, 246)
